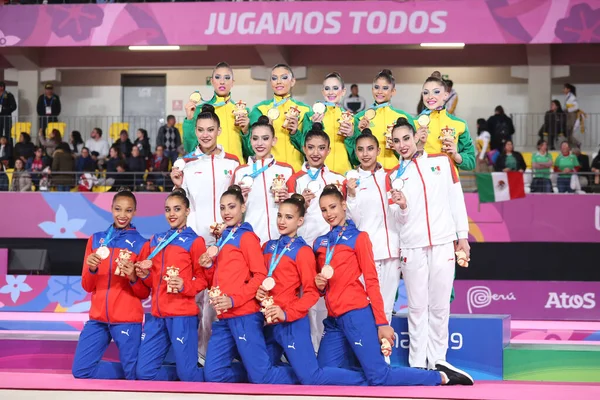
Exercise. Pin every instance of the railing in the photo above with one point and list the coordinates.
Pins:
(161, 181)
(527, 128)
(110, 125)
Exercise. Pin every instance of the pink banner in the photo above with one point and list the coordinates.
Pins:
(302, 23)
(536, 218)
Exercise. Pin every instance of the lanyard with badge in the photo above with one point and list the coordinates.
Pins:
(48, 107)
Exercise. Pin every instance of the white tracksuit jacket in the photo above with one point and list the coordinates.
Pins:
(436, 212)
(314, 224)
(371, 213)
(261, 209)
(205, 179)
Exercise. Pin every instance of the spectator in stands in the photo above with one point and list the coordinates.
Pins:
(48, 107)
(572, 107)
(122, 178)
(566, 163)
(136, 165)
(482, 145)
(596, 169)
(143, 144)
(170, 138)
(36, 164)
(555, 124)
(151, 186)
(124, 143)
(501, 128)
(3, 179)
(452, 101)
(160, 167)
(21, 180)
(114, 159)
(584, 166)
(76, 143)
(62, 164)
(7, 106)
(510, 160)
(354, 102)
(6, 152)
(541, 163)
(97, 144)
(24, 150)
(84, 162)
(50, 145)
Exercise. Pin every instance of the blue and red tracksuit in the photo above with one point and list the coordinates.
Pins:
(295, 292)
(174, 322)
(116, 309)
(355, 313)
(238, 271)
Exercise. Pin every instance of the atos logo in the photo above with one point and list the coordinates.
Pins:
(575, 302)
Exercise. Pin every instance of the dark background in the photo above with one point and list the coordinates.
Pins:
(493, 261)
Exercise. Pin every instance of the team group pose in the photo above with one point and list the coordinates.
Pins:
(290, 227)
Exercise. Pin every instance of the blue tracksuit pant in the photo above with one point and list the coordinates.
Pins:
(93, 342)
(162, 334)
(294, 339)
(356, 332)
(242, 337)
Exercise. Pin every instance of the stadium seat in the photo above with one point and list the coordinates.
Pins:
(19, 128)
(527, 157)
(61, 126)
(116, 128)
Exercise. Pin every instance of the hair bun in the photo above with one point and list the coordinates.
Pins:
(317, 126)
(436, 74)
(179, 191)
(123, 189)
(387, 72)
(263, 120)
(366, 131)
(208, 108)
(298, 198)
(235, 188)
(401, 120)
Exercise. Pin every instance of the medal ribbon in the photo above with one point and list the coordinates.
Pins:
(313, 177)
(275, 259)
(280, 102)
(427, 111)
(109, 237)
(162, 245)
(221, 103)
(377, 106)
(222, 241)
(329, 253)
(256, 172)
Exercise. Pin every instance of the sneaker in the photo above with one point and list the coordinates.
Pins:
(455, 376)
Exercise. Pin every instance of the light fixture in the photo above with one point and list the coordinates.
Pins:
(154, 48)
(446, 45)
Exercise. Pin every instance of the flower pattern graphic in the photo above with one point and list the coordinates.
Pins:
(65, 290)
(8, 40)
(15, 284)
(581, 26)
(76, 21)
(62, 227)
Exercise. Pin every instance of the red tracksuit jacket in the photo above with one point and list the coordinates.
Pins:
(114, 298)
(183, 252)
(238, 271)
(297, 269)
(352, 257)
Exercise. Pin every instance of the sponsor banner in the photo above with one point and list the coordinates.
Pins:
(466, 344)
(300, 23)
(529, 300)
(79, 215)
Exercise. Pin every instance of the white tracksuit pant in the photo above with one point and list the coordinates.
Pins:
(388, 273)
(428, 276)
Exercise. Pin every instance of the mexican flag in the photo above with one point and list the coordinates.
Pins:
(500, 186)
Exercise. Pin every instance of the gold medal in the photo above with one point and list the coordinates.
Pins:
(273, 114)
(370, 114)
(196, 97)
(423, 120)
(319, 108)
